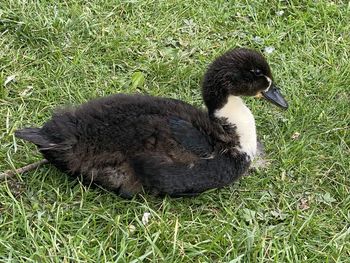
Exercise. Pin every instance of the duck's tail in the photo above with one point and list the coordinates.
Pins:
(33, 135)
(53, 151)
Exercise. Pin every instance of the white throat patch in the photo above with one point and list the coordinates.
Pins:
(238, 114)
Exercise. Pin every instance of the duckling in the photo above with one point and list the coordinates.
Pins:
(134, 143)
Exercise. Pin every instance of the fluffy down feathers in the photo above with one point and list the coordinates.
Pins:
(129, 142)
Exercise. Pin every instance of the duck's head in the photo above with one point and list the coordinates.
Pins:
(239, 72)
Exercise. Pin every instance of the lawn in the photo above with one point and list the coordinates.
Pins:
(57, 53)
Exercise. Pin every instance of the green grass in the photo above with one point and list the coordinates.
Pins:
(67, 52)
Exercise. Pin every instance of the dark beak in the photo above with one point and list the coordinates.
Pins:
(274, 96)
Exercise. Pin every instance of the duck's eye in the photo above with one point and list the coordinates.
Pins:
(257, 72)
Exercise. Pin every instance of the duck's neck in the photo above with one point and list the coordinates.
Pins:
(238, 114)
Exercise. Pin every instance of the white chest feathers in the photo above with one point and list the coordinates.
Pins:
(238, 114)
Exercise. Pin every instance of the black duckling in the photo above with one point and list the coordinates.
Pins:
(134, 143)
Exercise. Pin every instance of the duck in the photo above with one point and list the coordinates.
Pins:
(132, 143)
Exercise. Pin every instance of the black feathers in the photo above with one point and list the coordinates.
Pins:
(191, 138)
(127, 142)
(32, 135)
(179, 179)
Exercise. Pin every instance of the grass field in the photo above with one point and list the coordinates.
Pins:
(56, 53)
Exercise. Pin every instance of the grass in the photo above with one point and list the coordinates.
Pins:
(67, 52)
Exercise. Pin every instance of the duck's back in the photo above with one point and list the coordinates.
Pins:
(127, 123)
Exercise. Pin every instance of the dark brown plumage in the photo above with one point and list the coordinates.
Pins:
(127, 143)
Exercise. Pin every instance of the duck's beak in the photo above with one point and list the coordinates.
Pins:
(274, 96)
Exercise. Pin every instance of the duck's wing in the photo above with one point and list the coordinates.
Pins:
(161, 173)
(191, 138)
(161, 177)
